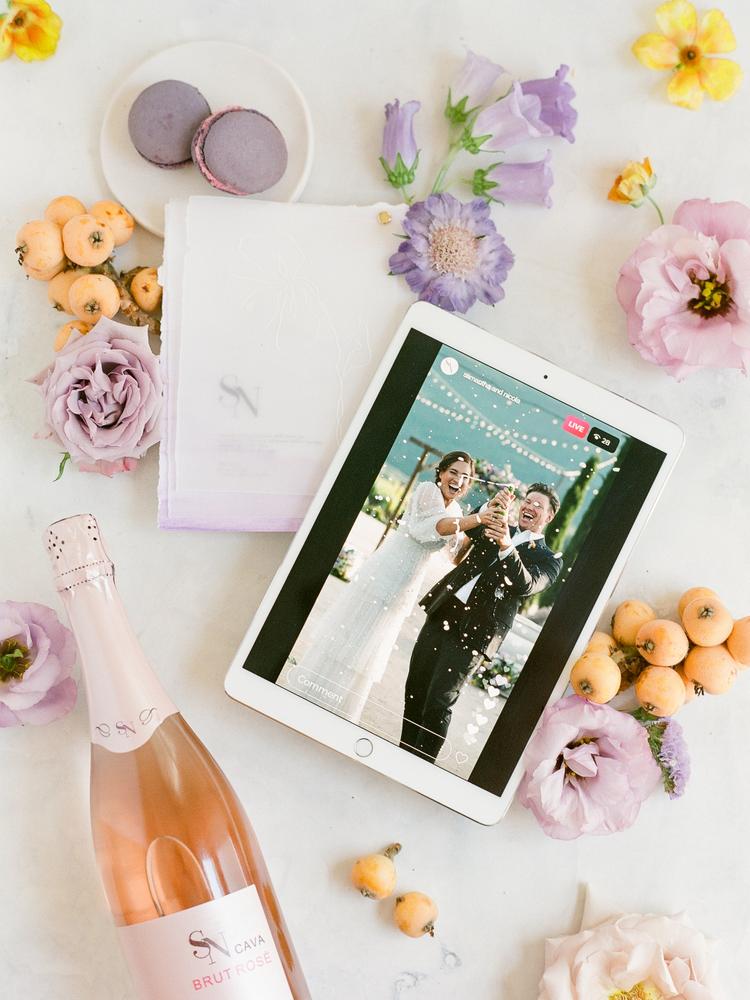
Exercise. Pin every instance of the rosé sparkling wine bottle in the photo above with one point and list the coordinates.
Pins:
(183, 873)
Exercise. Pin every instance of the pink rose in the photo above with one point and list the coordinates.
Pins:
(588, 769)
(686, 290)
(635, 955)
(37, 654)
(103, 396)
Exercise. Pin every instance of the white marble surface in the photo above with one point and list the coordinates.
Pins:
(501, 890)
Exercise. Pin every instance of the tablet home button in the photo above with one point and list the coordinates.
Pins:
(363, 747)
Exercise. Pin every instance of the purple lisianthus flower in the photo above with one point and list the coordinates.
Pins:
(37, 654)
(588, 769)
(472, 87)
(454, 255)
(513, 119)
(686, 289)
(523, 182)
(555, 94)
(103, 396)
(400, 154)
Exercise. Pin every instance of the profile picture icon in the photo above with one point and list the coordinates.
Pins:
(449, 366)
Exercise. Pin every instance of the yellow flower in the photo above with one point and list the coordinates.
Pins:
(30, 29)
(684, 46)
(633, 184)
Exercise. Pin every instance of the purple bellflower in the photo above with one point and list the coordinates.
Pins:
(400, 155)
(472, 87)
(516, 182)
(555, 93)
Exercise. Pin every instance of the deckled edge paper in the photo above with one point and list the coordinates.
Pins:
(228, 511)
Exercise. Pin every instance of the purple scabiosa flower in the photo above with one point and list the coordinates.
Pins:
(523, 182)
(400, 153)
(555, 93)
(472, 87)
(667, 743)
(588, 769)
(513, 119)
(454, 255)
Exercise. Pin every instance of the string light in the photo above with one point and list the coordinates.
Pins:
(474, 419)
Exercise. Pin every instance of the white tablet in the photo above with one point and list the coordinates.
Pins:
(458, 553)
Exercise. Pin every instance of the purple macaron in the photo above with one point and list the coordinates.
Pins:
(240, 151)
(163, 120)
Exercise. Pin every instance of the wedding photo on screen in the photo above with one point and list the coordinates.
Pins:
(449, 571)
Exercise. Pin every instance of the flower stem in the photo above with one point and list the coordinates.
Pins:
(408, 198)
(658, 210)
(453, 151)
(66, 457)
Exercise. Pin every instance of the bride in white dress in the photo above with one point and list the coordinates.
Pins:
(351, 646)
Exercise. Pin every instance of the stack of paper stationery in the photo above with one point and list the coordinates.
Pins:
(275, 318)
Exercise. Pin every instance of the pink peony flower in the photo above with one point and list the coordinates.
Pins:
(588, 769)
(103, 396)
(686, 290)
(633, 956)
(37, 654)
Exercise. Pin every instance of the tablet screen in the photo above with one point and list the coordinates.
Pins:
(455, 561)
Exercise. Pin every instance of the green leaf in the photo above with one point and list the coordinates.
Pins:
(63, 462)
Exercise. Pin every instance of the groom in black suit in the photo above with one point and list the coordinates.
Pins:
(472, 604)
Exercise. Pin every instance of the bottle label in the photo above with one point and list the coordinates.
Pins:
(222, 949)
(121, 726)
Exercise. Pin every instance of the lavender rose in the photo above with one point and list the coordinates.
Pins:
(37, 654)
(103, 396)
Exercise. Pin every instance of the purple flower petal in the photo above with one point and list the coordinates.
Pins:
(555, 94)
(103, 396)
(522, 182)
(58, 701)
(661, 282)
(399, 153)
(45, 689)
(511, 120)
(588, 769)
(475, 82)
(455, 255)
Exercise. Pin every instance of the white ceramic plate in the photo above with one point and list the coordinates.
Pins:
(226, 74)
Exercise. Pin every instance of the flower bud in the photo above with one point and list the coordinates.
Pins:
(400, 154)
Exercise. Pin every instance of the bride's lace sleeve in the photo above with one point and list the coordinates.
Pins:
(426, 508)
